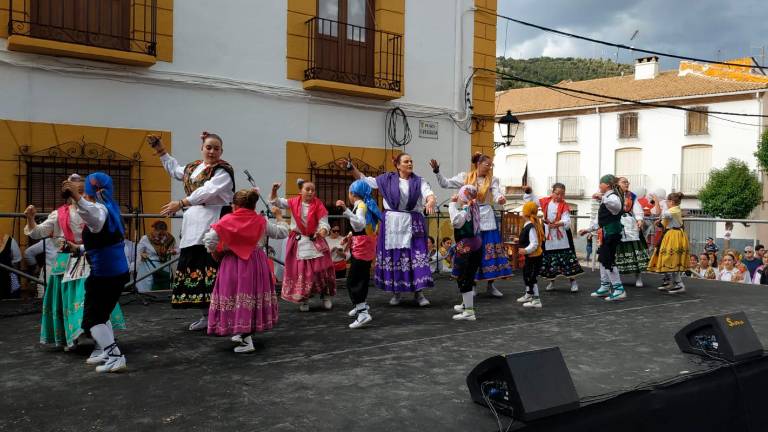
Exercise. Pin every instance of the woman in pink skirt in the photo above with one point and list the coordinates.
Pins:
(243, 301)
(308, 265)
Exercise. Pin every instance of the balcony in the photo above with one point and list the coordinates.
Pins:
(353, 60)
(635, 180)
(574, 185)
(689, 183)
(117, 31)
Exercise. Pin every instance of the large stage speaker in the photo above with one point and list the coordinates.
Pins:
(728, 336)
(526, 385)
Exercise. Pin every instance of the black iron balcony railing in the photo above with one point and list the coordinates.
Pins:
(125, 25)
(352, 54)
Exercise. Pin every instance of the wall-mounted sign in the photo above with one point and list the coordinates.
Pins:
(428, 129)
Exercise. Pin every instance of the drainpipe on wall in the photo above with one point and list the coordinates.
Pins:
(599, 142)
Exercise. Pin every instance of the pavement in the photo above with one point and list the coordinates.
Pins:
(404, 372)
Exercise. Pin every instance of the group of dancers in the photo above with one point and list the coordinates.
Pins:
(224, 272)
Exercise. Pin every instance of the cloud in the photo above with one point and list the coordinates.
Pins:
(706, 28)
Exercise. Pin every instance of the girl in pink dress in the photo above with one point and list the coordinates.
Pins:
(308, 265)
(243, 300)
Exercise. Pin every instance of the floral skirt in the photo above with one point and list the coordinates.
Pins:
(243, 300)
(560, 262)
(63, 306)
(406, 269)
(304, 278)
(672, 255)
(194, 278)
(632, 257)
(495, 264)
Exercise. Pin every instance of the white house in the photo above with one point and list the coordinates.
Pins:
(575, 138)
(290, 85)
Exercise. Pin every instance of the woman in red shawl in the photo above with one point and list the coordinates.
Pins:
(308, 265)
(243, 300)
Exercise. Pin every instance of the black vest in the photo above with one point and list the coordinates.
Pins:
(465, 232)
(525, 236)
(605, 217)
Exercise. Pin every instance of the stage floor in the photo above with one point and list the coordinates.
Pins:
(405, 372)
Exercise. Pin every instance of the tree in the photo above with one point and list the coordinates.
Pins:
(762, 151)
(731, 192)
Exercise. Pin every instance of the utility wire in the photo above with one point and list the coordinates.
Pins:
(617, 45)
(617, 98)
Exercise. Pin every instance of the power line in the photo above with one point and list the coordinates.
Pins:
(616, 98)
(617, 45)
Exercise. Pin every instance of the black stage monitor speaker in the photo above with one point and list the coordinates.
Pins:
(526, 385)
(728, 336)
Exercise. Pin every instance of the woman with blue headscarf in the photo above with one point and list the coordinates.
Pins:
(364, 218)
(103, 237)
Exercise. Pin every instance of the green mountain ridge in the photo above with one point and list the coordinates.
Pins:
(552, 70)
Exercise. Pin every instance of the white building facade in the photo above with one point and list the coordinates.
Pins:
(290, 85)
(575, 141)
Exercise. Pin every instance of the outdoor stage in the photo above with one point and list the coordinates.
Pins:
(405, 372)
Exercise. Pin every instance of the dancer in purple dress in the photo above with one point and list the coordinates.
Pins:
(402, 260)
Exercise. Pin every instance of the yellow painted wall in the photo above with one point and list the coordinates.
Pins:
(300, 155)
(164, 24)
(389, 16)
(484, 84)
(14, 135)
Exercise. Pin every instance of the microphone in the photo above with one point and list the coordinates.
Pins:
(253, 183)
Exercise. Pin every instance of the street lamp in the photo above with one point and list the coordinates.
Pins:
(508, 125)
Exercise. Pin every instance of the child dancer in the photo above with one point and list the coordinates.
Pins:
(465, 218)
(559, 257)
(672, 255)
(495, 265)
(531, 241)
(364, 218)
(308, 265)
(103, 242)
(609, 220)
(243, 300)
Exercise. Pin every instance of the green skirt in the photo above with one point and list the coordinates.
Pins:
(63, 305)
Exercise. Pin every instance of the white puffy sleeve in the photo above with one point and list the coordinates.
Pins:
(44, 229)
(94, 214)
(454, 182)
(172, 166)
(496, 190)
(211, 240)
(458, 216)
(220, 183)
(426, 190)
(277, 230)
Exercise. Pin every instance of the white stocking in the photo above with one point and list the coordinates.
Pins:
(104, 337)
(469, 299)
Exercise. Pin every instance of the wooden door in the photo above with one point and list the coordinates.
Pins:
(345, 41)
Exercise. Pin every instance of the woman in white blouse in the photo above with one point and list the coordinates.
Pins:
(209, 185)
(495, 264)
(402, 259)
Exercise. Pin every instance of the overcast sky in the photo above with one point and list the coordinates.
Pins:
(698, 28)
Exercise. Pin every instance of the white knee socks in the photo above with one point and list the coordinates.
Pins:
(468, 299)
(603, 274)
(103, 336)
(535, 290)
(615, 276)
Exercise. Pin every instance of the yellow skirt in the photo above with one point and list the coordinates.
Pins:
(672, 255)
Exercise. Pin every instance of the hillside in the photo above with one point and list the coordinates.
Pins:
(554, 70)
